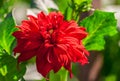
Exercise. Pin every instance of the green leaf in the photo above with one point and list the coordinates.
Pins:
(62, 4)
(43, 79)
(83, 5)
(7, 27)
(80, 1)
(72, 8)
(5, 7)
(61, 75)
(65, 8)
(9, 70)
(99, 25)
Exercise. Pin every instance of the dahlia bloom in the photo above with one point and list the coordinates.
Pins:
(54, 41)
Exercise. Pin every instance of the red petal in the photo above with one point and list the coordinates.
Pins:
(68, 67)
(78, 56)
(24, 45)
(56, 67)
(76, 32)
(19, 35)
(19, 46)
(28, 25)
(43, 66)
(26, 55)
(53, 59)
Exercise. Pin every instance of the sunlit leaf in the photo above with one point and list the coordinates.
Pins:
(7, 27)
(99, 25)
(72, 8)
(83, 5)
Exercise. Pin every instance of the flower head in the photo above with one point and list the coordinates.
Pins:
(54, 41)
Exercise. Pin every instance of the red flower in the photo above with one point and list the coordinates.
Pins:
(54, 41)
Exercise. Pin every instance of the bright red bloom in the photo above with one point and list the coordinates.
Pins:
(54, 41)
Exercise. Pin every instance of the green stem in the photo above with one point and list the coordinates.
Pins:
(59, 76)
(64, 75)
(48, 77)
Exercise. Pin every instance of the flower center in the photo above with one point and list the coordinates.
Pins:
(51, 31)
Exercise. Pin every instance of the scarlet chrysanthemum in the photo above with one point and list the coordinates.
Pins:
(54, 41)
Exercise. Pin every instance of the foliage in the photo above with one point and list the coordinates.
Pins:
(6, 29)
(111, 68)
(8, 68)
(5, 7)
(99, 25)
(72, 8)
